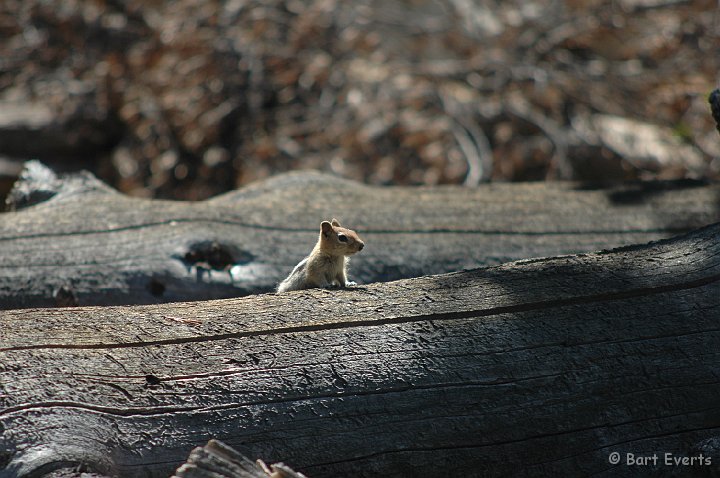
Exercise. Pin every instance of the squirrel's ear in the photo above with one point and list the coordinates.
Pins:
(325, 227)
(336, 223)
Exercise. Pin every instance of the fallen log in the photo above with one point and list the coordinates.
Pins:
(538, 367)
(74, 241)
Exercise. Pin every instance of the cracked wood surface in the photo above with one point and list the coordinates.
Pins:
(75, 241)
(537, 367)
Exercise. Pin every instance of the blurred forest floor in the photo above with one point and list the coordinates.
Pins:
(187, 99)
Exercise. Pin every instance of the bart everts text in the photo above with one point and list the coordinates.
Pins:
(658, 459)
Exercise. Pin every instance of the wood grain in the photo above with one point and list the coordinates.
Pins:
(217, 460)
(537, 367)
(74, 241)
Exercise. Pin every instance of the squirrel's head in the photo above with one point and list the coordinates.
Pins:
(339, 240)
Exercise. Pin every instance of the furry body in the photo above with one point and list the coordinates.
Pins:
(326, 266)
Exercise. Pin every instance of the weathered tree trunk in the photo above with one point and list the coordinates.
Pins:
(84, 244)
(538, 367)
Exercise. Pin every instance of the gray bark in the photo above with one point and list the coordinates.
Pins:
(537, 367)
(74, 241)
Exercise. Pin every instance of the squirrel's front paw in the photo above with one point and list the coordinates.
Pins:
(350, 283)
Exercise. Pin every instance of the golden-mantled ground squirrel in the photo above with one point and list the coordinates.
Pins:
(326, 266)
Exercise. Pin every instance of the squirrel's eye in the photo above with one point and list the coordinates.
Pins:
(342, 238)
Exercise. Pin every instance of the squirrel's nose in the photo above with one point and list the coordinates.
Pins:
(360, 246)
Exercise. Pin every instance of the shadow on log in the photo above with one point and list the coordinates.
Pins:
(74, 241)
(541, 367)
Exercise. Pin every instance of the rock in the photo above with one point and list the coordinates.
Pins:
(78, 126)
(645, 146)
